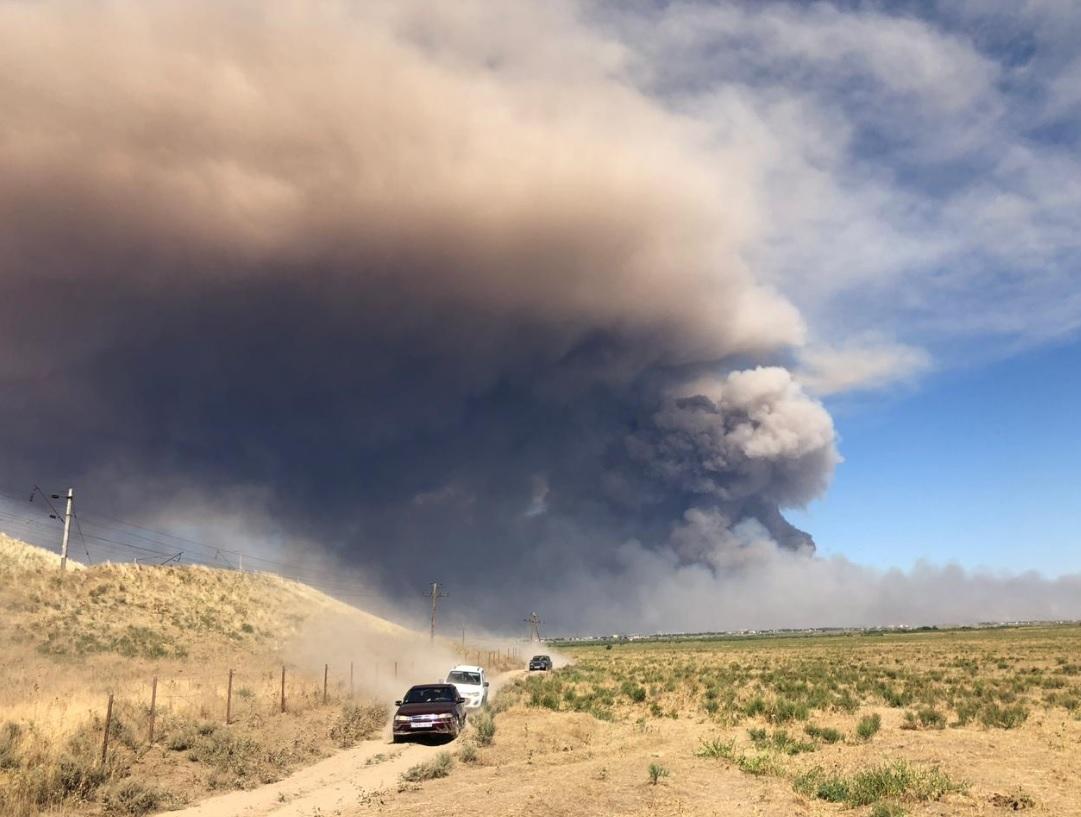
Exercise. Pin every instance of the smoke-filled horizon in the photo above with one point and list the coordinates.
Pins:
(435, 300)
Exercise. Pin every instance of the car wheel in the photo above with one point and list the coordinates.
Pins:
(396, 739)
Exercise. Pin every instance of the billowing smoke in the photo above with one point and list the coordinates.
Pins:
(451, 298)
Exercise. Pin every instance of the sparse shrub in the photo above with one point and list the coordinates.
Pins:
(10, 737)
(439, 766)
(133, 798)
(467, 752)
(484, 725)
(356, 722)
(868, 726)
(966, 713)
(931, 718)
(784, 710)
(1003, 717)
(758, 764)
(717, 748)
(633, 691)
(656, 772)
(755, 706)
(910, 721)
(826, 734)
(890, 781)
(182, 739)
(780, 741)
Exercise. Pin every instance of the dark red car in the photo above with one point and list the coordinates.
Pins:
(429, 709)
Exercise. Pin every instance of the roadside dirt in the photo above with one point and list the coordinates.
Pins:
(573, 765)
(364, 774)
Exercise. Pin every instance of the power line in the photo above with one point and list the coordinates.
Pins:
(105, 540)
(79, 528)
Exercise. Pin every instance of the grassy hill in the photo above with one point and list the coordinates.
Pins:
(158, 612)
(72, 640)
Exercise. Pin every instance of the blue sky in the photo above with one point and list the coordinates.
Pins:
(979, 466)
(918, 166)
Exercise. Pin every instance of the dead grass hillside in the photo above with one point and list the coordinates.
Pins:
(182, 636)
(157, 612)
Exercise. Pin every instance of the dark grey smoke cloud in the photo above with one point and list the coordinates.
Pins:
(394, 279)
(449, 299)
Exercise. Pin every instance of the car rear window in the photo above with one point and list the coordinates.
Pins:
(427, 695)
(468, 678)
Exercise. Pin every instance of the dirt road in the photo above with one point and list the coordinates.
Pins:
(352, 776)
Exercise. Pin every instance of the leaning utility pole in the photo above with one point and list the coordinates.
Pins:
(534, 627)
(67, 529)
(436, 596)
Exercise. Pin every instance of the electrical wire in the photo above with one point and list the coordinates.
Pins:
(331, 582)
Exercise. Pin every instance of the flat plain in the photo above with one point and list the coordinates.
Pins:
(950, 722)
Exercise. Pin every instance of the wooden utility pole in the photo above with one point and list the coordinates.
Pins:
(67, 529)
(153, 709)
(108, 726)
(229, 700)
(436, 596)
(534, 627)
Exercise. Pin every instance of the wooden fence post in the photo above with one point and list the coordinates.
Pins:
(153, 708)
(395, 670)
(326, 671)
(108, 724)
(229, 700)
(283, 687)
(351, 687)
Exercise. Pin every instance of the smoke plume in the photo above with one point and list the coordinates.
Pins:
(452, 298)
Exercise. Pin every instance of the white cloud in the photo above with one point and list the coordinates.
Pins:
(918, 175)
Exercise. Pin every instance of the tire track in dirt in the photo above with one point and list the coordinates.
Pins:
(334, 784)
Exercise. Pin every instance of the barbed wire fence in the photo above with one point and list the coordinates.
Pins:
(243, 693)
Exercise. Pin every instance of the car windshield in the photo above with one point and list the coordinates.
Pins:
(466, 678)
(427, 695)
(540, 657)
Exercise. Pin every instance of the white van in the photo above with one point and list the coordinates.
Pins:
(472, 684)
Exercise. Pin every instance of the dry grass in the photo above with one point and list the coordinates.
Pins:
(786, 726)
(109, 629)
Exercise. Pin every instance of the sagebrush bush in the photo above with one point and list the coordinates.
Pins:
(656, 772)
(467, 752)
(484, 726)
(10, 738)
(356, 722)
(889, 781)
(439, 766)
(133, 799)
(931, 718)
(716, 748)
(826, 734)
(1003, 717)
(868, 726)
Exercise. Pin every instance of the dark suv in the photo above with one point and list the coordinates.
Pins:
(541, 662)
(430, 709)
